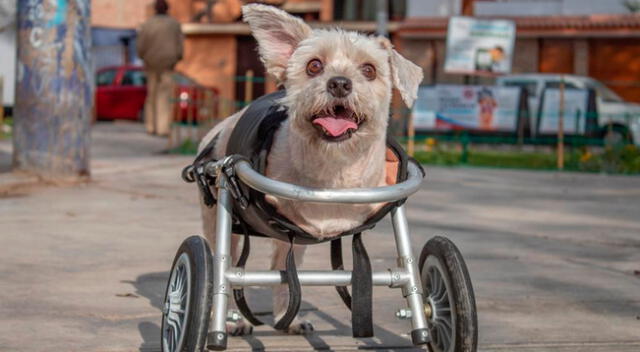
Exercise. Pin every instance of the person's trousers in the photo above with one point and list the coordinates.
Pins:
(158, 107)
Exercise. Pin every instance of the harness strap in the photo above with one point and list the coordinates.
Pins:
(361, 303)
(238, 294)
(294, 290)
(336, 264)
(361, 307)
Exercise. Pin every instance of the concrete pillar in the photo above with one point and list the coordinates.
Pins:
(54, 88)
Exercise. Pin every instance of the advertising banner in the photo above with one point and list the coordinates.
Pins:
(483, 47)
(575, 111)
(457, 107)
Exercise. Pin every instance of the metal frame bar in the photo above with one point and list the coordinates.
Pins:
(239, 277)
(285, 190)
(406, 276)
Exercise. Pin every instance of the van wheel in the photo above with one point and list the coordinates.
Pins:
(615, 136)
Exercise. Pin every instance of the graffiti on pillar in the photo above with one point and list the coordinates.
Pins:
(55, 80)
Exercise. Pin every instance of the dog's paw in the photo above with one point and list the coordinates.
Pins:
(239, 327)
(300, 327)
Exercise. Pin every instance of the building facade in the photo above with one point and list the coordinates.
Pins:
(597, 38)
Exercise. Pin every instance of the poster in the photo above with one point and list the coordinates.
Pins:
(479, 46)
(457, 107)
(575, 111)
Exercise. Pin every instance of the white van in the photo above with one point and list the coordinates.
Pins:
(624, 117)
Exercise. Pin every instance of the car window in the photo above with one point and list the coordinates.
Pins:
(603, 91)
(134, 78)
(105, 78)
(529, 86)
(556, 84)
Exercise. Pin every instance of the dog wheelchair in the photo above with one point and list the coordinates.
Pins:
(436, 285)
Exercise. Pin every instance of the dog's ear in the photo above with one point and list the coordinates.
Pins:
(406, 75)
(277, 33)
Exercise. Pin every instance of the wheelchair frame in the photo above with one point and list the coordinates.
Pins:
(444, 317)
(405, 276)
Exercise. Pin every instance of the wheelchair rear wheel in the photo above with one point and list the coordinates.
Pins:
(188, 298)
(449, 300)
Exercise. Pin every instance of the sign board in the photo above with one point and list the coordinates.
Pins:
(457, 107)
(575, 111)
(482, 47)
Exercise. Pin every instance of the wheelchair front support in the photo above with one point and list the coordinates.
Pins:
(406, 276)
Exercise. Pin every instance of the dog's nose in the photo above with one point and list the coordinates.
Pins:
(339, 86)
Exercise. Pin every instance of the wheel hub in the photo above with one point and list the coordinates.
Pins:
(428, 311)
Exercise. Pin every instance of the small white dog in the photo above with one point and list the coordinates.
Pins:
(338, 92)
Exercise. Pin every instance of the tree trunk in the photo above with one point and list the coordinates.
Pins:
(54, 88)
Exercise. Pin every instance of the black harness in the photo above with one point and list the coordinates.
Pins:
(251, 140)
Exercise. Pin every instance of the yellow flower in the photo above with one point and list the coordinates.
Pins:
(586, 157)
(431, 141)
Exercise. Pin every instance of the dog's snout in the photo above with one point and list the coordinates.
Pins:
(339, 86)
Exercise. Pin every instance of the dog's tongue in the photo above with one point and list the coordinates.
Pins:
(335, 126)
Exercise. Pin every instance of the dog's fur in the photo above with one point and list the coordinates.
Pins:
(299, 154)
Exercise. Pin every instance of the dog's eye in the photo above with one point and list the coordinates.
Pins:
(314, 67)
(368, 71)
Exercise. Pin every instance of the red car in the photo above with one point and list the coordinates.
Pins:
(121, 91)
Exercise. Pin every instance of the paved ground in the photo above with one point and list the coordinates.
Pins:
(552, 257)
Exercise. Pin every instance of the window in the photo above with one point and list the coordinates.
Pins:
(366, 10)
(556, 84)
(530, 86)
(603, 91)
(134, 78)
(105, 78)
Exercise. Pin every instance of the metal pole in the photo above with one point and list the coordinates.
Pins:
(217, 336)
(383, 18)
(54, 92)
(412, 289)
(248, 87)
(1, 100)
(561, 126)
(238, 277)
(411, 134)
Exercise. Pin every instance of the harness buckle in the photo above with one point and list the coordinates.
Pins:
(233, 185)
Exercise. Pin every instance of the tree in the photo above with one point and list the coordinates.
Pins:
(54, 88)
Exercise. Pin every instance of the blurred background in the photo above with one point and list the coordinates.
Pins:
(92, 206)
(581, 45)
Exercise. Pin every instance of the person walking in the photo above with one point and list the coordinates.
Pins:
(159, 45)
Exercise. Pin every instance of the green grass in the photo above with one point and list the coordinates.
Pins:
(188, 147)
(5, 127)
(619, 160)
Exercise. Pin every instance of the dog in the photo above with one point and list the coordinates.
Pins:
(338, 94)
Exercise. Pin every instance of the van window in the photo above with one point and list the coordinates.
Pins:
(556, 84)
(530, 86)
(603, 91)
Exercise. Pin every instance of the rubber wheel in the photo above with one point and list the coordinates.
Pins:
(617, 136)
(188, 298)
(449, 300)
